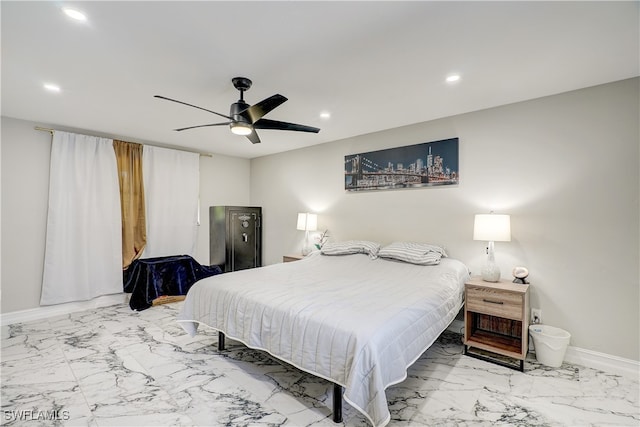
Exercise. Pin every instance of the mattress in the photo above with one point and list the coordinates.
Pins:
(356, 321)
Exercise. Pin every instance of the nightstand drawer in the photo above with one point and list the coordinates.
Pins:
(494, 302)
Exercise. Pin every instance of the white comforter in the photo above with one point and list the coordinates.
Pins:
(350, 319)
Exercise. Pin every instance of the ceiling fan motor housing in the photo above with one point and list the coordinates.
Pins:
(236, 111)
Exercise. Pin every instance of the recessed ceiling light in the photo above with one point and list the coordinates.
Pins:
(325, 115)
(51, 87)
(453, 78)
(75, 14)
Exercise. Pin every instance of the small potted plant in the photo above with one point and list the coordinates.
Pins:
(321, 239)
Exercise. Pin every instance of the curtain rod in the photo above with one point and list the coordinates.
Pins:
(51, 131)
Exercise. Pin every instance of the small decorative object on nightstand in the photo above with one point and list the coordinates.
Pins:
(291, 258)
(321, 239)
(520, 274)
(496, 318)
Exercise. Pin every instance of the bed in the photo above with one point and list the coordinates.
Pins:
(356, 321)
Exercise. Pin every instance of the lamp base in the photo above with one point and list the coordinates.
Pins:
(306, 247)
(490, 273)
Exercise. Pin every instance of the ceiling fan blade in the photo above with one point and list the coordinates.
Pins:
(256, 111)
(202, 126)
(274, 124)
(253, 137)
(194, 106)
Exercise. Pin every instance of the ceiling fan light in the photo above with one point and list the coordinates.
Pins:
(240, 128)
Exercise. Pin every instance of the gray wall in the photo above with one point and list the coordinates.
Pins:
(25, 187)
(565, 167)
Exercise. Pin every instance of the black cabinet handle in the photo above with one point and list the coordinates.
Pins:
(492, 302)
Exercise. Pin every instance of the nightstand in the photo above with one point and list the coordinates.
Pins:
(496, 319)
(291, 258)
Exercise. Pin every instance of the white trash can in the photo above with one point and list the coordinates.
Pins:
(550, 344)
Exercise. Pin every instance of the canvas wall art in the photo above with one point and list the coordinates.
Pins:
(419, 165)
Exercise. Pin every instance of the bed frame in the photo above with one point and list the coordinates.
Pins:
(337, 389)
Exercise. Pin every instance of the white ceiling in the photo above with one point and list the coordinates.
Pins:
(373, 65)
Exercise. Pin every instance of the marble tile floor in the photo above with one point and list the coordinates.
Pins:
(115, 367)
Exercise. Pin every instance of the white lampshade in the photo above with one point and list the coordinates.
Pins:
(492, 228)
(307, 222)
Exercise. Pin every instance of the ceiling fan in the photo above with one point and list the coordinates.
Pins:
(244, 119)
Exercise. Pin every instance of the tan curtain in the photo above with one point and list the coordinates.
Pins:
(134, 229)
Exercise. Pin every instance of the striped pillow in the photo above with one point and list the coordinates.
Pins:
(414, 253)
(351, 247)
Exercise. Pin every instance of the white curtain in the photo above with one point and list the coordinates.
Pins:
(171, 187)
(83, 252)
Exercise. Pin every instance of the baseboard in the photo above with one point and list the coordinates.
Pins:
(60, 309)
(580, 356)
(602, 361)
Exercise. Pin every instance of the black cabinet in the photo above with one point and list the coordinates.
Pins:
(235, 237)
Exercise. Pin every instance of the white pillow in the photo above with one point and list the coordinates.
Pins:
(414, 253)
(351, 247)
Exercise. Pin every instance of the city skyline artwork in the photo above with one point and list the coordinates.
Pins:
(420, 165)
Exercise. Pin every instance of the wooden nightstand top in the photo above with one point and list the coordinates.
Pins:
(290, 258)
(504, 285)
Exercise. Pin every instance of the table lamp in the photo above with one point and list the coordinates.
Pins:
(307, 222)
(491, 228)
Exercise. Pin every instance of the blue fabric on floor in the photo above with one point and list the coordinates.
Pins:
(150, 278)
